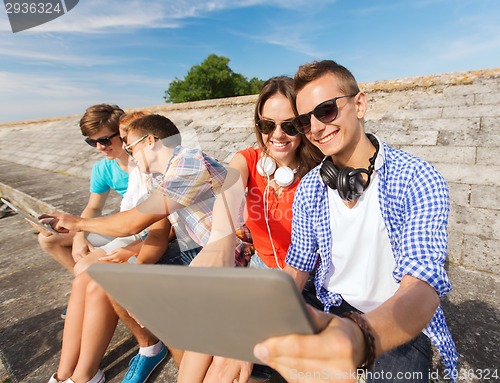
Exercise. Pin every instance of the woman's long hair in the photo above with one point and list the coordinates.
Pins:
(307, 154)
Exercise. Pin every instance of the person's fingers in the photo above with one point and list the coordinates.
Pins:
(38, 228)
(108, 258)
(292, 350)
(223, 370)
(50, 215)
(320, 318)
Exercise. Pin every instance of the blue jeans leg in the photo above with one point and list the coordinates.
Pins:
(174, 255)
(408, 363)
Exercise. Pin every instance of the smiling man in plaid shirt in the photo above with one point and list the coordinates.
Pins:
(373, 220)
(183, 184)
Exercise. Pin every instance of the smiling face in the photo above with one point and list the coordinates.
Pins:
(339, 137)
(139, 150)
(280, 146)
(113, 151)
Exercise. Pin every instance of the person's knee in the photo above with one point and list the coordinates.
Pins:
(54, 243)
(80, 282)
(81, 266)
(47, 242)
(95, 291)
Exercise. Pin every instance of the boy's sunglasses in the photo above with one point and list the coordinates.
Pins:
(128, 148)
(104, 141)
(268, 126)
(325, 112)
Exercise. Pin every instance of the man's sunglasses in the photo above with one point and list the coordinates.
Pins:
(128, 148)
(325, 112)
(268, 126)
(104, 141)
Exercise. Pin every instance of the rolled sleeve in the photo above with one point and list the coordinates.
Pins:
(302, 253)
(424, 235)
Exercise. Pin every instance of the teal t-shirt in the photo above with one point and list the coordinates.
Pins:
(107, 174)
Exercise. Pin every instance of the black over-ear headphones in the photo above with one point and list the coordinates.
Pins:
(348, 181)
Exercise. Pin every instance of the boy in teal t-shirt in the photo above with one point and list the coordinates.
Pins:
(100, 126)
(107, 174)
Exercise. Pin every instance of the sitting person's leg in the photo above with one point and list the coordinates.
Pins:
(71, 342)
(99, 324)
(151, 350)
(193, 367)
(59, 248)
(84, 263)
(410, 361)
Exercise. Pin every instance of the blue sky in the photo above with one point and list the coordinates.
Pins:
(126, 52)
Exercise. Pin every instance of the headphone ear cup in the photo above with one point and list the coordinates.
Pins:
(284, 176)
(266, 166)
(329, 173)
(350, 187)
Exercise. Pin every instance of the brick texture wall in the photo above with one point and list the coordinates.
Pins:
(451, 120)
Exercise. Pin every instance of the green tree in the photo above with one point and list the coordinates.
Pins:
(213, 78)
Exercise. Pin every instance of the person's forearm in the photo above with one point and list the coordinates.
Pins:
(135, 246)
(156, 243)
(300, 277)
(227, 207)
(403, 316)
(121, 224)
(88, 212)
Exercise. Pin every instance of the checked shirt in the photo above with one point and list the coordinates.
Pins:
(414, 203)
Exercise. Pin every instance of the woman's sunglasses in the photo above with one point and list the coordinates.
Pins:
(104, 141)
(268, 126)
(325, 112)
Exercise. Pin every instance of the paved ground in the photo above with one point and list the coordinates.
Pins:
(34, 288)
(33, 292)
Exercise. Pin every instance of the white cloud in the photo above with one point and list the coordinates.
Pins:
(28, 96)
(29, 51)
(96, 16)
(31, 96)
(469, 47)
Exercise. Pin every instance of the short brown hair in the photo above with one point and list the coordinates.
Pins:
(308, 155)
(99, 117)
(128, 118)
(159, 126)
(316, 69)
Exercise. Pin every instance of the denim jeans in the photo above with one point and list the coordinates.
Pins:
(174, 255)
(408, 363)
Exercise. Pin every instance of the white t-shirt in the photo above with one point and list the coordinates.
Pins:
(136, 192)
(362, 256)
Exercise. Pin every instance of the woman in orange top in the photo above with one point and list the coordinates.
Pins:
(270, 175)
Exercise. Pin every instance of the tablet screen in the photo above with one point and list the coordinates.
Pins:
(216, 311)
(29, 217)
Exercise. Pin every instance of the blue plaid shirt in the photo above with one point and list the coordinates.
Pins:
(414, 202)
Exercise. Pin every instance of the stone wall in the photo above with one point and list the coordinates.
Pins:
(451, 120)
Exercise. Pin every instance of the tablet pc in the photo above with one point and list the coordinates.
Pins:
(29, 217)
(216, 311)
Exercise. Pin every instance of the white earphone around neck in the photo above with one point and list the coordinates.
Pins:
(283, 176)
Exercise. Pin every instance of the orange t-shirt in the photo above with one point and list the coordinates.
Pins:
(279, 213)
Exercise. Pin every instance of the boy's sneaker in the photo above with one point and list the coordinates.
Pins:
(141, 367)
(63, 314)
(54, 380)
